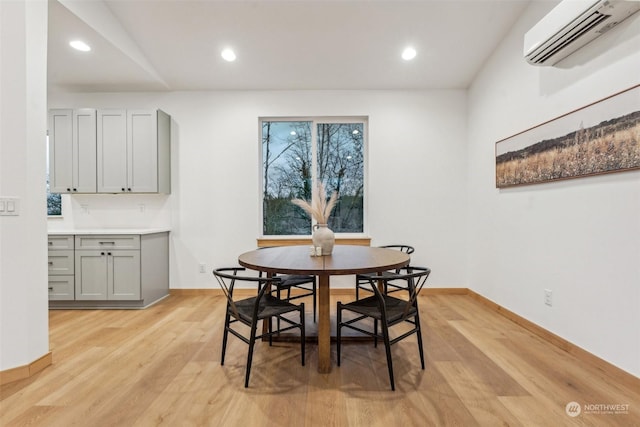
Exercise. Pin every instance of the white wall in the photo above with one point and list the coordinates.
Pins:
(417, 173)
(580, 238)
(24, 335)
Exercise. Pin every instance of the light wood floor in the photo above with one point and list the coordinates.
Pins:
(161, 366)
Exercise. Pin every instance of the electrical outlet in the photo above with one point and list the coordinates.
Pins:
(548, 300)
(203, 268)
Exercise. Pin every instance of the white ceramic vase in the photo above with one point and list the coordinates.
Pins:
(324, 238)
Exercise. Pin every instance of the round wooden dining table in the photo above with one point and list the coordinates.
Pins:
(344, 260)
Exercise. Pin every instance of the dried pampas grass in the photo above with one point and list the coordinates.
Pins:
(319, 208)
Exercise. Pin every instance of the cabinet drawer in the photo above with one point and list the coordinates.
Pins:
(60, 242)
(106, 242)
(61, 288)
(61, 263)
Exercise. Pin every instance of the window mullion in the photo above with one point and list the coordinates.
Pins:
(314, 165)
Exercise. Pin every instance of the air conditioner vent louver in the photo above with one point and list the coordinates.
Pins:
(571, 25)
(583, 27)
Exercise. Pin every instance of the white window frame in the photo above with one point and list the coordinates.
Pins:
(315, 120)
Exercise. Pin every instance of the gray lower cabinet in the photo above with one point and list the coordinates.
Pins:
(61, 268)
(61, 288)
(107, 275)
(114, 271)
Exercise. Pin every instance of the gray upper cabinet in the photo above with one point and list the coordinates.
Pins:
(72, 150)
(109, 151)
(133, 151)
(112, 149)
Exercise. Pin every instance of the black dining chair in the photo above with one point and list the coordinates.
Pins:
(387, 311)
(249, 311)
(303, 285)
(390, 286)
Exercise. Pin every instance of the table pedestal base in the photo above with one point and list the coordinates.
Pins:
(324, 325)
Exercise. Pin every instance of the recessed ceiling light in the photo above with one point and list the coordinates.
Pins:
(80, 45)
(409, 53)
(228, 55)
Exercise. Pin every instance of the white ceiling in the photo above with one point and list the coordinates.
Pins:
(147, 45)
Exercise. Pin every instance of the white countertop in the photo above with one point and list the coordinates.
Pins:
(108, 231)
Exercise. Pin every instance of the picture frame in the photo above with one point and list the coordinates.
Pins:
(599, 138)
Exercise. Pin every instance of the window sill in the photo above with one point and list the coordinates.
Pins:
(306, 240)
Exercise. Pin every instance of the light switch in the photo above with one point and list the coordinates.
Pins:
(9, 206)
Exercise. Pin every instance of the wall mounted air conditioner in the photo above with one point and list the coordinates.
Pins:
(571, 25)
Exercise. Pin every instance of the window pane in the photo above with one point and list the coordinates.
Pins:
(341, 168)
(54, 202)
(286, 168)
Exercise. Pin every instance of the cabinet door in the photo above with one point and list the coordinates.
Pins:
(72, 151)
(61, 263)
(91, 275)
(123, 272)
(84, 150)
(60, 242)
(142, 139)
(61, 288)
(61, 151)
(108, 242)
(112, 151)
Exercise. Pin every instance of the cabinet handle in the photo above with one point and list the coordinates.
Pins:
(50, 262)
(68, 189)
(101, 253)
(75, 189)
(123, 189)
(50, 243)
(128, 189)
(107, 243)
(108, 253)
(50, 288)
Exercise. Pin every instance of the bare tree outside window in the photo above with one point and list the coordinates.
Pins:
(293, 158)
(287, 163)
(54, 200)
(341, 168)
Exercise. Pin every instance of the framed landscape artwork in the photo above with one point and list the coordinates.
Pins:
(599, 138)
